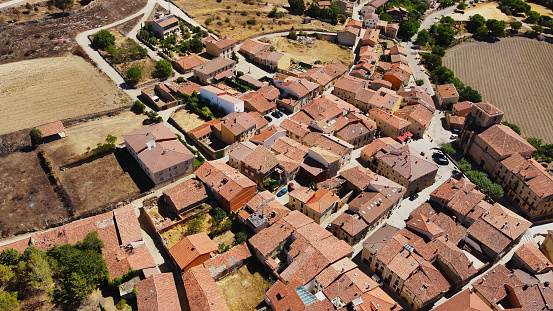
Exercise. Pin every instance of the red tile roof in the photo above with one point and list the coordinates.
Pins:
(51, 129)
(530, 254)
(492, 286)
(464, 301)
(202, 292)
(186, 194)
(190, 248)
(216, 265)
(505, 141)
(127, 224)
(258, 101)
(223, 179)
(188, 62)
(158, 293)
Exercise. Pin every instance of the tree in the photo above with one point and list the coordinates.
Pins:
(516, 25)
(218, 214)
(537, 28)
(447, 20)
(482, 32)
(34, 270)
(438, 50)
(133, 74)
(532, 17)
(313, 185)
(408, 28)
(222, 248)
(234, 57)
(103, 39)
(240, 237)
(9, 257)
(63, 4)
(549, 24)
(194, 226)
(462, 6)
(513, 126)
(442, 75)
(496, 28)
(138, 107)
(36, 135)
(444, 35)
(447, 148)
(423, 37)
(164, 68)
(314, 11)
(195, 45)
(8, 301)
(419, 82)
(464, 165)
(470, 94)
(476, 21)
(292, 35)
(297, 6)
(6, 276)
(431, 61)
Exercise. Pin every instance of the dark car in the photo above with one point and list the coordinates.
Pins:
(275, 114)
(268, 118)
(441, 161)
(413, 197)
(436, 155)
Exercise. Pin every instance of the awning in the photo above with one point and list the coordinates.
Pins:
(404, 136)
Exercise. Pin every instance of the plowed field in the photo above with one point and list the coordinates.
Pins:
(514, 74)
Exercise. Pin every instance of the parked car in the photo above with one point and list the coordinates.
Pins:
(441, 160)
(455, 131)
(275, 114)
(413, 197)
(453, 136)
(282, 192)
(268, 118)
(436, 155)
(290, 186)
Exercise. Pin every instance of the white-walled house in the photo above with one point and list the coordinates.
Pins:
(222, 99)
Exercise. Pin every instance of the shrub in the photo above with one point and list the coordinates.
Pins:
(103, 39)
(180, 80)
(514, 127)
(251, 21)
(208, 21)
(138, 107)
(447, 148)
(223, 248)
(133, 74)
(164, 68)
(419, 82)
(36, 135)
(194, 226)
(464, 165)
(292, 35)
(121, 304)
(240, 237)
(218, 214)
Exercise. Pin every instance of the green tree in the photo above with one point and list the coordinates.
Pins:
(514, 127)
(6, 276)
(103, 39)
(549, 24)
(110, 139)
(447, 148)
(462, 6)
(9, 257)
(313, 185)
(419, 82)
(240, 237)
(444, 35)
(218, 214)
(431, 61)
(385, 17)
(423, 37)
(8, 301)
(516, 25)
(476, 21)
(138, 107)
(482, 32)
(438, 50)
(314, 11)
(34, 270)
(292, 35)
(194, 226)
(470, 94)
(36, 135)
(164, 68)
(297, 6)
(537, 28)
(133, 74)
(464, 165)
(496, 28)
(63, 4)
(222, 248)
(442, 75)
(532, 17)
(408, 28)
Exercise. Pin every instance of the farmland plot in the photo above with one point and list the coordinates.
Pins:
(513, 74)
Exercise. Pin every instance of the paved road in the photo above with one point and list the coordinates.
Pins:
(10, 3)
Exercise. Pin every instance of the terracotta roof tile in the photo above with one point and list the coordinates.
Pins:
(464, 301)
(492, 286)
(253, 47)
(427, 283)
(158, 293)
(202, 291)
(530, 254)
(216, 265)
(225, 180)
(261, 159)
(186, 194)
(258, 101)
(188, 62)
(51, 129)
(290, 148)
(505, 141)
(190, 248)
(406, 161)
(354, 285)
(534, 175)
(350, 224)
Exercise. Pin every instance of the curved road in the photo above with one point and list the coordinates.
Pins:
(10, 3)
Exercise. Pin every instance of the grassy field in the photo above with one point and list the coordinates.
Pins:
(515, 82)
(230, 17)
(541, 9)
(319, 50)
(178, 232)
(40, 91)
(487, 9)
(187, 120)
(86, 135)
(28, 200)
(102, 181)
(244, 289)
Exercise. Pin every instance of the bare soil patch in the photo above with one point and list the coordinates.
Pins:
(20, 13)
(319, 50)
(28, 202)
(55, 36)
(187, 120)
(244, 289)
(236, 27)
(40, 91)
(489, 10)
(511, 75)
(86, 135)
(541, 9)
(103, 181)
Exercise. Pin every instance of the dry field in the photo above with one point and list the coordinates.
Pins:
(487, 9)
(187, 120)
(86, 135)
(541, 9)
(39, 91)
(56, 37)
(320, 50)
(236, 27)
(28, 200)
(245, 288)
(103, 181)
(20, 13)
(511, 74)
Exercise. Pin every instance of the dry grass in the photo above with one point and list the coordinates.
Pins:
(227, 238)
(516, 82)
(178, 232)
(98, 183)
(28, 200)
(187, 120)
(541, 9)
(487, 9)
(86, 135)
(319, 50)
(245, 288)
(40, 91)
(236, 28)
